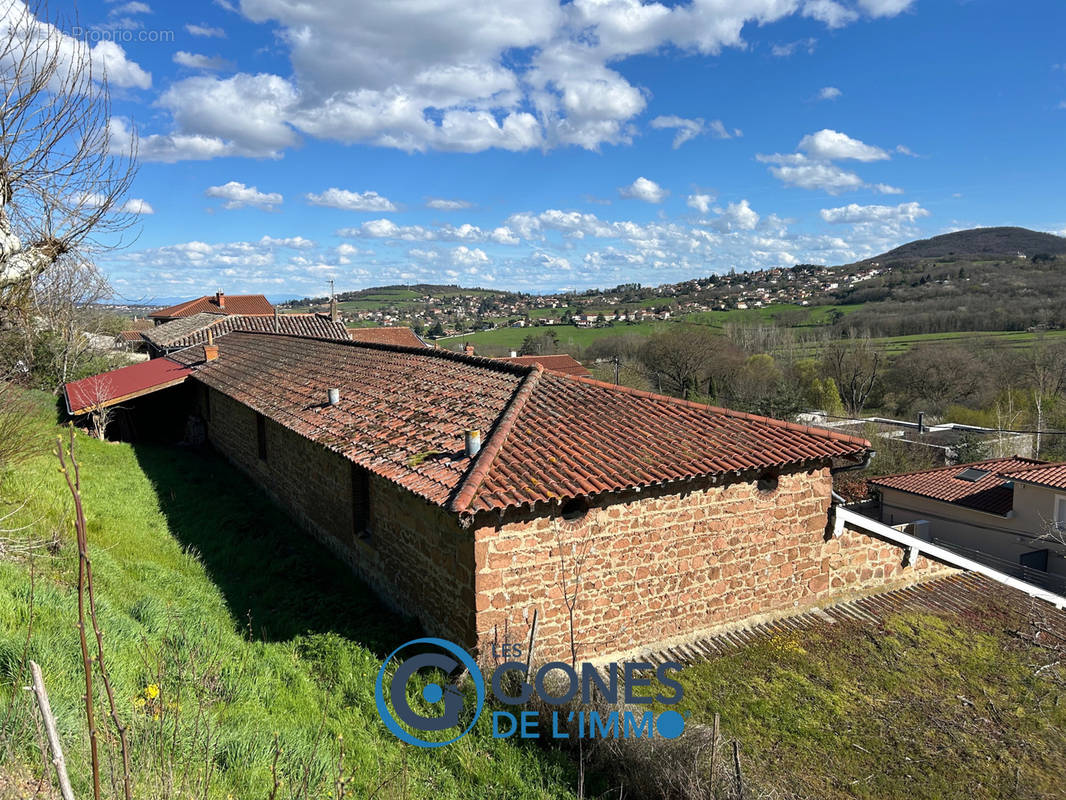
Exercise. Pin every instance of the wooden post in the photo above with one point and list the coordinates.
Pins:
(736, 767)
(714, 751)
(50, 728)
(532, 638)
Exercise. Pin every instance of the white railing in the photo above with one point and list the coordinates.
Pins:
(916, 547)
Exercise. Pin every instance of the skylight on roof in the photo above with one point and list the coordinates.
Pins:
(972, 474)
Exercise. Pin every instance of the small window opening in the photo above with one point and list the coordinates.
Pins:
(767, 483)
(574, 509)
(261, 436)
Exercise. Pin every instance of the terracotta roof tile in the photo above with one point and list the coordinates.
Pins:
(189, 331)
(564, 363)
(124, 383)
(405, 337)
(1052, 475)
(403, 412)
(991, 493)
(129, 336)
(251, 304)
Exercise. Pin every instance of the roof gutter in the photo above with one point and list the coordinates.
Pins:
(850, 468)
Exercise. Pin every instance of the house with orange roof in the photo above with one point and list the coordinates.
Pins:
(218, 303)
(1007, 512)
(483, 496)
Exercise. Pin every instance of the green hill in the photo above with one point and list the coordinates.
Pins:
(988, 243)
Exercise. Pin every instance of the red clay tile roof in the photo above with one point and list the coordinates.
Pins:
(991, 493)
(129, 336)
(124, 383)
(189, 331)
(1052, 475)
(564, 363)
(251, 304)
(405, 337)
(403, 412)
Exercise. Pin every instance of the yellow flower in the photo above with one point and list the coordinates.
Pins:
(151, 691)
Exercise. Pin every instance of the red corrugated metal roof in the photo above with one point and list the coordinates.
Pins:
(124, 383)
(405, 337)
(1051, 475)
(251, 304)
(991, 493)
(563, 362)
(548, 436)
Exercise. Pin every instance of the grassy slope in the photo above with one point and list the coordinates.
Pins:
(193, 563)
(925, 707)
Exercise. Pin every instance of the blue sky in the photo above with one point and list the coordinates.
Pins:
(539, 146)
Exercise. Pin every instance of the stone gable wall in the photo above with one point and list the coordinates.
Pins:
(658, 570)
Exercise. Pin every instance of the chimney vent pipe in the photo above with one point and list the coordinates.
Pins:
(210, 352)
(473, 443)
(334, 396)
(468, 349)
(921, 422)
(514, 354)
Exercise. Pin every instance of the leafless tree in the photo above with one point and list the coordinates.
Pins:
(855, 364)
(1045, 371)
(63, 186)
(63, 299)
(101, 411)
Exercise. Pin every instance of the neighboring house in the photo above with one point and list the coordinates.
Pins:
(473, 492)
(1009, 512)
(218, 303)
(945, 442)
(188, 331)
(564, 363)
(404, 337)
(131, 341)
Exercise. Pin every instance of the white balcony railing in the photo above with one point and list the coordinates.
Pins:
(916, 546)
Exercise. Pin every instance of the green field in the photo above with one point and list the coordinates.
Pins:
(570, 337)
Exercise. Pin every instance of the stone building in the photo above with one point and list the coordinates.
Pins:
(473, 492)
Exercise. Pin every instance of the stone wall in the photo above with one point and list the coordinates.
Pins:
(656, 569)
(416, 557)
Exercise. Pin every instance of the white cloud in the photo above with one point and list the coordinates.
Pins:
(830, 12)
(884, 8)
(351, 201)
(464, 256)
(832, 145)
(829, 93)
(134, 7)
(136, 205)
(442, 74)
(700, 202)
(205, 31)
(199, 61)
(246, 113)
(690, 128)
(686, 128)
(643, 189)
(237, 195)
(854, 213)
(902, 149)
(798, 170)
(737, 216)
(789, 48)
(440, 204)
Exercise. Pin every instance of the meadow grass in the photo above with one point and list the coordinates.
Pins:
(925, 706)
(225, 624)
